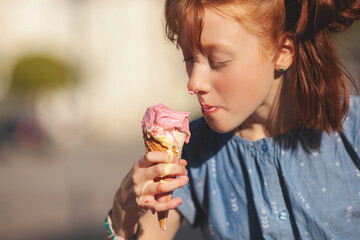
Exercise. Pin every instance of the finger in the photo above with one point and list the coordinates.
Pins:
(143, 200)
(156, 188)
(183, 162)
(142, 178)
(160, 207)
(156, 171)
(152, 158)
(161, 170)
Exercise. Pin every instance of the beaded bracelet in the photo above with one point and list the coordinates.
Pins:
(110, 230)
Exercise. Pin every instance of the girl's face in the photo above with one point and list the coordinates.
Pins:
(234, 78)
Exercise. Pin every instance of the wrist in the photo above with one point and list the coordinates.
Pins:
(124, 223)
(118, 236)
(125, 217)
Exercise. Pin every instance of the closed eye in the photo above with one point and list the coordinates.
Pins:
(217, 65)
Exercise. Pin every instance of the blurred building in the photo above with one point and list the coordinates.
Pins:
(118, 47)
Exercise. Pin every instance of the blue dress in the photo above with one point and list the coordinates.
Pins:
(299, 185)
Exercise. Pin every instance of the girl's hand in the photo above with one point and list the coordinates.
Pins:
(138, 189)
(140, 181)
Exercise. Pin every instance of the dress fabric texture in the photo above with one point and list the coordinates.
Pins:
(299, 185)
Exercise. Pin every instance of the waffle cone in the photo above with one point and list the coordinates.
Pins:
(153, 145)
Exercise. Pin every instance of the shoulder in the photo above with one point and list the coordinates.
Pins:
(354, 106)
(351, 126)
(353, 118)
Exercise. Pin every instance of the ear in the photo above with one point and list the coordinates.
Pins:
(286, 52)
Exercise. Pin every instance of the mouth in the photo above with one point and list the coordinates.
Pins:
(207, 109)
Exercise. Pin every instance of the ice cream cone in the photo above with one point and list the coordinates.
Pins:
(154, 145)
(165, 130)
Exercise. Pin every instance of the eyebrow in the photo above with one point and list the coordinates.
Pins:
(222, 46)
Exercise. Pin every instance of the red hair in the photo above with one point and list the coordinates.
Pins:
(320, 88)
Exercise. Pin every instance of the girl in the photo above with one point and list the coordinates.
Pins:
(276, 155)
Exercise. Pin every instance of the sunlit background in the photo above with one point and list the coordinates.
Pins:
(75, 79)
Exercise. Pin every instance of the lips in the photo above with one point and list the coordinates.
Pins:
(207, 109)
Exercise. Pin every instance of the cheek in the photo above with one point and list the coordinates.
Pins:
(246, 85)
(238, 82)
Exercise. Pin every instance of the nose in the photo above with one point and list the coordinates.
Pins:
(199, 81)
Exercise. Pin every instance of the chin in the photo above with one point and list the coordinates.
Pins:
(219, 127)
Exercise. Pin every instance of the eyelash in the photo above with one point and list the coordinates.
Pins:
(216, 66)
(188, 59)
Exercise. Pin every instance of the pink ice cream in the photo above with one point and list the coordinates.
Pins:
(160, 118)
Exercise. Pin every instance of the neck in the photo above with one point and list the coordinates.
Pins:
(274, 117)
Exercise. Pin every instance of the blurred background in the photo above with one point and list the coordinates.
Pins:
(76, 77)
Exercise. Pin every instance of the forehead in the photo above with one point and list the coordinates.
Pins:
(218, 29)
